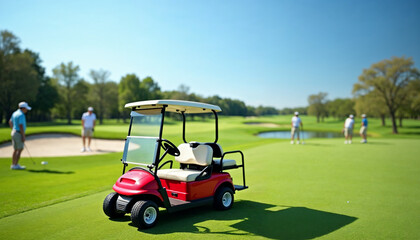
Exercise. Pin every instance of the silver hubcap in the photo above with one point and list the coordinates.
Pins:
(227, 199)
(150, 215)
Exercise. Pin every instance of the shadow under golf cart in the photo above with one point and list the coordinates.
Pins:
(248, 218)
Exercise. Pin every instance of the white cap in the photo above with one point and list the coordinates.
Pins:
(90, 109)
(363, 115)
(24, 105)
(296, 113)
(351, 116)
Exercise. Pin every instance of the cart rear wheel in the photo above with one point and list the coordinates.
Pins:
(223, 199)
(144, 214)
(110, 206)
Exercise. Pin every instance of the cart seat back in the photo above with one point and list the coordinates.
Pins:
(217, 149)
(200, 155)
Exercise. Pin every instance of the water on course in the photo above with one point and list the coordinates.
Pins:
(304, 135)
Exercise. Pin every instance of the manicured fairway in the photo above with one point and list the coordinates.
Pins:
(322, 189)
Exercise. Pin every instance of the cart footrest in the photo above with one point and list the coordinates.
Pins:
(240, 187)
(177, 205)
(177, 202)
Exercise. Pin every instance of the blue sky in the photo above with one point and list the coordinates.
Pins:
(272, 53)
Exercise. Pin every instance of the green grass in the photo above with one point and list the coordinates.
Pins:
(323, 189)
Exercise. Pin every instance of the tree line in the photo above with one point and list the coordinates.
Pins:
(389, 88)
(66, 95)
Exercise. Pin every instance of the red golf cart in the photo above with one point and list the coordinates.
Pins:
(201, 178)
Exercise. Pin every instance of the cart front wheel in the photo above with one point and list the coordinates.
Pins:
(110, 206)
(144, 214)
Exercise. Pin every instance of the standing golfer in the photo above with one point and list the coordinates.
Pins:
(348, 129)
(88, 125)
(18, 125)
(363, 129)
(296, 123)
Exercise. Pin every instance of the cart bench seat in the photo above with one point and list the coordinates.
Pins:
(226, 162)
(183, 175)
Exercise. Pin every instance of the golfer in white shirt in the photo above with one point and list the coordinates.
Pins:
(296, 124)
(348, 129)
(88, 125)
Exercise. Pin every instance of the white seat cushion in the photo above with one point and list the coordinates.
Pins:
(183, 175)
(201, 155)
(226, 162)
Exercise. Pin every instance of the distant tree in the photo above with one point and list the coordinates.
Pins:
(414, 96)
(340, 107)
(251, 111)
(18, 78)
(47, 94)
(149, 89)
(45, 100)
(67, 75)
(236, 107)
(262, 111)
(128, 91)
(81, 100)
(9, 43)
(286, 111)
(301, 110)
(317, 105)
(100, 78)
(411, 106)
(182, 93)
(111, 100)
(372, 105)
(290, 111)
(390, 79)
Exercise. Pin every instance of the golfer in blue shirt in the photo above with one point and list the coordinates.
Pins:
(18, 125)
(363, 129)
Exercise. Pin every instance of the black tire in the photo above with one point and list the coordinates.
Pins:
(110, 206)
(223, 199)
(144, 214)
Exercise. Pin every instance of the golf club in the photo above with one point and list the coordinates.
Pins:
(94, 139)
(29, 153)
(303, 138)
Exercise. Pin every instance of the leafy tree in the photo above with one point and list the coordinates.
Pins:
(250, 111)
(47, 95)
(390, 79)
(182, 93)
(67, 74)
(81, 101)
(149, 89)
(9, 43)
(372, 105)
(290, 111)
(411, 106)
(100, 78)
(236, 107)
(18, 78)
(111, 100)
(45, 100)
(262, 111)
(340, 107)
(317, 105)
(128, 91)
(414, 96)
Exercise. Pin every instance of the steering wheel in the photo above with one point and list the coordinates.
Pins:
(170, 148)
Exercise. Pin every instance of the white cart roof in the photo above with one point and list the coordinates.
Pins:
(174, 106)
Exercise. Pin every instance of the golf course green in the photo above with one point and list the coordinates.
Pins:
(324, 189)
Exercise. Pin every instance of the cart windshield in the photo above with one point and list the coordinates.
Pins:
(141, 146)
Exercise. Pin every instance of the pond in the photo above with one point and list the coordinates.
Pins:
(303, 135)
